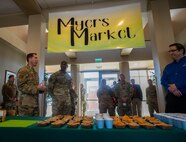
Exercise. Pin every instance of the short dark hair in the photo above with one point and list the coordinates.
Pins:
(30, 55)
(64, 63)
(10, 76)
(178, 47)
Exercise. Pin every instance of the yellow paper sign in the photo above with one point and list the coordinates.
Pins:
(96, 29)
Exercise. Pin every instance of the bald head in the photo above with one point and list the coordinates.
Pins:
(122, 77)
(64, 66)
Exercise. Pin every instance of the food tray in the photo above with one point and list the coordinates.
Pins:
(73, 126)
(43, 123)
(164, 126)
(87, 126)
(119, 127)
(148, 126)
(133, 126)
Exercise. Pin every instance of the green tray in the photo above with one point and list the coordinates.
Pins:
(18, 123)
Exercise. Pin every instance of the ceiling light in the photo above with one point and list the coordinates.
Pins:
(120, 23)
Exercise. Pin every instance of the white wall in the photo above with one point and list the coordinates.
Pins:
(10, 59)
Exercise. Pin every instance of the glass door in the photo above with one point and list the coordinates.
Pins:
(109, 77)
(91, 82)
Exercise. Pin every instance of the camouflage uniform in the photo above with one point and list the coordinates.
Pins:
(152, 99)
(10, 96)
(105, 95)
(137, 100)
(122, 91)
(59, 89)
(83, 100)
(73, 101)
(27, 81)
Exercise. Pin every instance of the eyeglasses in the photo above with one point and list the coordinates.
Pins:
(173, 50)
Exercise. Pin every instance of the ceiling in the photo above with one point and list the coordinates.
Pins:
(20, 10)
(17, 11)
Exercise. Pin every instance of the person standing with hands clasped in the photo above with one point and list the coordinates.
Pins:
(83, 99)
(124, 92)
(60, 89)
(105, 95)
(174, 80)
(137, 98)
(28, 85)
(10, 96)
(151, 96)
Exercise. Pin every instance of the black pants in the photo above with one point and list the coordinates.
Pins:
(175, 104)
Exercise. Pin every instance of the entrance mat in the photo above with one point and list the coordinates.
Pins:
(17, 123)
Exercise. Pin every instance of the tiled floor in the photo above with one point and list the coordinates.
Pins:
(145, 111)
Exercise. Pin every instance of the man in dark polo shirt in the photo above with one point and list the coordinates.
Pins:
(137, 98)
(174, 80)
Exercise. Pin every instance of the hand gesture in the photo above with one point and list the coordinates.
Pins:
(173, 89)
(41, 87)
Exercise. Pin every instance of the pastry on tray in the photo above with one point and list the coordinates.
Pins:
(140, 120)
(43, 123)
(127, 119)
(88, 118)
(86, 124)
(58, 123)
(164, 126)
(119, 124)
(73, 124)
(116, 118)
(88, 121)
(67, 118)
(147, 125)
(133, 125)
(77, 118)
(55, 118)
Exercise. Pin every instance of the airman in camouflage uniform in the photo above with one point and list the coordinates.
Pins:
(105, 95)
(151, 96)
(83, 99)
(73, 101)
(136, 99)
(10, 95)
(28, 85)
(123, 92)
(59, 87)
